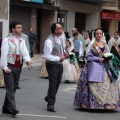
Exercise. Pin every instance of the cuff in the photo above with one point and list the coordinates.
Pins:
(5, 68)
(58, 59)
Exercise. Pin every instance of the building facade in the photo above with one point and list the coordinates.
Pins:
(37, 15)
(40, 14)
(4, 18)
(79, 14)
(110, 16)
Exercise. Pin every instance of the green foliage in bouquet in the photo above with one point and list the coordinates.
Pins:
(72, 56)
(116, 63)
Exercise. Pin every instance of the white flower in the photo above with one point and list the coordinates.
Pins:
(108, 56)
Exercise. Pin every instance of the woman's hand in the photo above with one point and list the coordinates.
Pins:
(102, 59)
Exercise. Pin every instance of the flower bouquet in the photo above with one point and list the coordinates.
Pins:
(108, 56)
(72, 57)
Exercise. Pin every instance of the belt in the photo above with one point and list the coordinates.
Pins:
(14, 65)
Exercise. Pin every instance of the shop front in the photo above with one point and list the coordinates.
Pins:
(110, 21)
(35, 14)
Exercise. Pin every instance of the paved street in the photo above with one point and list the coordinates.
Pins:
(30, 100)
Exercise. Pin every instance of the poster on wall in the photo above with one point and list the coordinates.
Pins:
(37, 1)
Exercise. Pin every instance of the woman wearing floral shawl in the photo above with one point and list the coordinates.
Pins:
(114, 46)
(97, 87)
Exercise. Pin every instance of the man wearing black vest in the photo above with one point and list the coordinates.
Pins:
(54, 55)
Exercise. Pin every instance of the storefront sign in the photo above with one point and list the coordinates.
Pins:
(37, 1)
(110, 15)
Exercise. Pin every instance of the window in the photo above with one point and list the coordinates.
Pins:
(61, 18)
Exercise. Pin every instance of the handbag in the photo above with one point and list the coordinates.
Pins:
(95, 71)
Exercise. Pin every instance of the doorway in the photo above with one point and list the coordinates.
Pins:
(62, 19)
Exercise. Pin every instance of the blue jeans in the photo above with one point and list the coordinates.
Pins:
(31, 49)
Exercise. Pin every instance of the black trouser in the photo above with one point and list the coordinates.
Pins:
(11, 82)
(77, 55)
(55, 75)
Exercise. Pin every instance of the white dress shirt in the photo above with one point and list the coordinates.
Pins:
(5, 50)
(48, 49)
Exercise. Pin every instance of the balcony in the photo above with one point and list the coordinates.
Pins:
(110, 4)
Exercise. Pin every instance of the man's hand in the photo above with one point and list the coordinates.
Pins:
(7, 71)
(29, 64)
(62, 58)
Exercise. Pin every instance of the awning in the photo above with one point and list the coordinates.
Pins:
(34, 5)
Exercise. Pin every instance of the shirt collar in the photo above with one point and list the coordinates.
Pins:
(15, 37)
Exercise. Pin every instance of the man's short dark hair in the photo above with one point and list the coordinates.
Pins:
(13, 25)
(116, 32)
(53, 27)
(75, 33)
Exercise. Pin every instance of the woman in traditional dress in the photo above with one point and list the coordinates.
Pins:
(43, 71)
(86, 41)
(114, 45)
(97, 88)
(71, 69)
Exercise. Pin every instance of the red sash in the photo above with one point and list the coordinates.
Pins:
(17, 62)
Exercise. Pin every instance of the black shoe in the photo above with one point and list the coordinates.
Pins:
(14, 112)
(6, 111)
(18, 87)
(46, 99)
(51, 110)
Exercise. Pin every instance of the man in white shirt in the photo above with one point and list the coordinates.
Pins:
(13, 50)
(54, 55)
(24, 37)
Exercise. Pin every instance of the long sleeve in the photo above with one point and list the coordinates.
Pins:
(48, 51)
(91, 57)
(4, 53)
(81, 49)
(25, 53)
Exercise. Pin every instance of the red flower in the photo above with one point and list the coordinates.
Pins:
(20, 40)
(11, 40)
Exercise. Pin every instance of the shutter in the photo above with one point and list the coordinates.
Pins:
(21, 14)
(80, 20)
